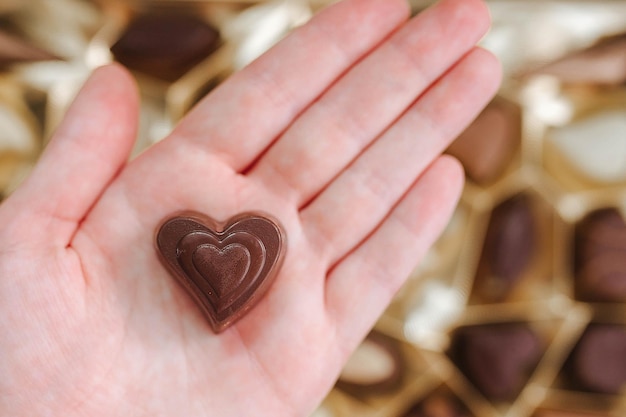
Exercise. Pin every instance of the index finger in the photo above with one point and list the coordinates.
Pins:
(244, 115)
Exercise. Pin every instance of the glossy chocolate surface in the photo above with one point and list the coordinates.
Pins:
(488, 145)
(497, 358)
(510, 244)
(225, 267)
(600, 257)
(165, 46)
(598, 362)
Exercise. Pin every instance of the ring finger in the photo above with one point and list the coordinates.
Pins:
(362, 104)
(383, 173)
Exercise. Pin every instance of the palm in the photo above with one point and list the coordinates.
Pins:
(169, 336)
(108, 332)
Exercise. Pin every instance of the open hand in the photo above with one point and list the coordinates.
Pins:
(336, 132)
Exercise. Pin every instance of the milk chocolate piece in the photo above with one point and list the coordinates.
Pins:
(15, 50)
(376, 367)
(604, 63)
(438, 405)
(509, 247)
(165, 46)
(488, 145)
(226, 267)
(598, 362)
(497, 358)
(600, 257)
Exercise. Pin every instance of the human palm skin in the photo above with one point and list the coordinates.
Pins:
(336, 132)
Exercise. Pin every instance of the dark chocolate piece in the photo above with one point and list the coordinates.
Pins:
(497, 358)
(488, 145)
(165, 46)
(438, 405)
(225, 267)
(598, 362)
(376, 367)
(603, 63)
(600, 257)
(510, 244)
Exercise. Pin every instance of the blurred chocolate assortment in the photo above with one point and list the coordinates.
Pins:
(519, 310)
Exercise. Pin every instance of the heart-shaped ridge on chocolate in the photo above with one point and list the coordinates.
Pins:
(225, 266)
(231, 264)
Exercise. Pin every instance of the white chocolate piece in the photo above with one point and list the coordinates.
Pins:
(596, 145)
(369, 364)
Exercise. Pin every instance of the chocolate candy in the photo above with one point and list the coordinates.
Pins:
(376, 367)
(593, 146)
(165, 46)
(487, 146)
(600, 257)
(14, 50)
(497, 358)
(598, 362)
(225, 267)
(438, 405)
(508, 249)
(601, 64)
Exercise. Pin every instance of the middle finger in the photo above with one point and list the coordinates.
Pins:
(370, 97)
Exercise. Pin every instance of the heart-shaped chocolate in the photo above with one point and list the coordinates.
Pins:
(226, 267)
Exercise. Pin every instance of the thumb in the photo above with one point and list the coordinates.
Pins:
(84, 155)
